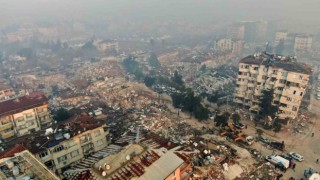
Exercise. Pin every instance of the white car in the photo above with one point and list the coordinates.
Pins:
(296, 156)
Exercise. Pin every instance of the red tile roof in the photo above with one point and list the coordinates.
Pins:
(10, 152)
(23, 103)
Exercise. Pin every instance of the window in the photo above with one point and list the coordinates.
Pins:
(300, 77)
(280, 88)
(294, 108)
(70, 144)
(289, 99)
(100, 142)
(29, 115)
(255, 68)
(43, 154)
(274, 72)
(96, 133)
(301, 94)
(58, 148)
(294, 92)
(62, 158)
(74, 153)
(282, 81)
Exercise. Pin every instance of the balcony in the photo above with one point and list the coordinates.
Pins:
(251, 84)
(240, 95)
(5, 126)
(6, 135)
(252, 71)
(243, 70)
(242, 83)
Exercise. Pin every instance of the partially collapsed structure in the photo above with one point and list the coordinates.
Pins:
(263, 71)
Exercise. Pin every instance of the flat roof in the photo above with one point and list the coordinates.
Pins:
(274, 61)
(31, 165)
(163, 167)
(23, 103)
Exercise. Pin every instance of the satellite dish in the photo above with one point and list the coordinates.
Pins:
(104, 173)
(107, 166)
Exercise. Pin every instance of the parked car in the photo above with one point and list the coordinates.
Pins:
(263, 139)
(239, 125)
(296, 156)
(277, 145)
(289, 158)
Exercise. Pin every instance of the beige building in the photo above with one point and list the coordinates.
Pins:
(6, 92)
(236, 31)
(67, 143)
(24, 115)
(259, 72)
(225, 44)
(280, 36)
(302, 43)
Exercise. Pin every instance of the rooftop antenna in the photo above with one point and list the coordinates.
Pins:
(267, 46)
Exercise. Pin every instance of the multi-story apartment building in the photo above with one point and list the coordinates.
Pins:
(24, 115)
(259, 72)
(225, 44)
(21, 164)
(302, 43)
(280, 36)
(6, 92)
(236, 31)
(66, 143)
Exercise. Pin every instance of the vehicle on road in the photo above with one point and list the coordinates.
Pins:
(278, 161)
(289, 158)
(277, 145)
(239, 125)
(296, 156)
(263, 139)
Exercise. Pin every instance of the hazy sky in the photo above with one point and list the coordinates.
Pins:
(299, 14)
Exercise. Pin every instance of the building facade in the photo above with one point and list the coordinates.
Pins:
(225, 44)
(302, 43)
(260, 72)
(6, 93)
(61, 154)
(23, 115)
(280, 36)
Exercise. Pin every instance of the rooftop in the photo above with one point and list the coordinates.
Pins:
(23, 165)
(23, 103)
(277, 61)
(162, 167)
(39, 141)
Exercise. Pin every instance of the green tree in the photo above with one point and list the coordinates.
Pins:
(153, 61)
(267, 108)
(149, 81)
(203, 68)
(222, 120)
(259, 132)
(236, 118)
(277, 126)
(177, 78)
(61, 115)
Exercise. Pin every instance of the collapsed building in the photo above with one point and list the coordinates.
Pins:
(264, 71)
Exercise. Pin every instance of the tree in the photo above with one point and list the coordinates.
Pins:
(153, 61)
(149, 81)
(267, 108)
(236, 118)
(177, 78)
(61, 115)
(259, 132)
(280, 47)
(203, 68)
(222, 120)
(26, 52)
(277, 126)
